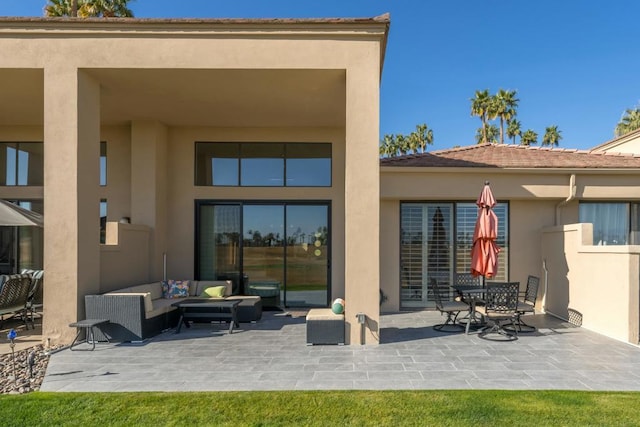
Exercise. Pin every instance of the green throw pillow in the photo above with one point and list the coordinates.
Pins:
(214, 292)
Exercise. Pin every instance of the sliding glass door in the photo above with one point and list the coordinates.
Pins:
(435, 245)
(275, 245)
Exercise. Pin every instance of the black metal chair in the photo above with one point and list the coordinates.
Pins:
(501, 303)
(468, 279)
(451, 308)
(527, 305)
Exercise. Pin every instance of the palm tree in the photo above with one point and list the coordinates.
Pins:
(529, 137)
(629, 122)
(88, 8)
(505, 103)
(108, 8)
(480, 106)
(403, 144)
(552, 136)
(513, 129)
(61, 8)
(423, 136)
(492, 133)
(388, 146)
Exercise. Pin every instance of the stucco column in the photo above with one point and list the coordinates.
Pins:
(149, 187)
(71, 197)
(362, 198)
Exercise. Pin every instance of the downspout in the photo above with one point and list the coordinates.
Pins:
(572, 195)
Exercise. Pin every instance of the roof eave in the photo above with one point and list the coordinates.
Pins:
(499, 170)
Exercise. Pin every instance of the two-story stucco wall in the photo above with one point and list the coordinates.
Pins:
(182, 193)
(148, 88)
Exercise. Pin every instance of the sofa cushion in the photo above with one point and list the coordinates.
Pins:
(172, 289)
(154, 288)
(146, 297)
(160, 307)
(200, 285)
(214, 292)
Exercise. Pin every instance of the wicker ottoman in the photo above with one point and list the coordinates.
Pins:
(325, 327)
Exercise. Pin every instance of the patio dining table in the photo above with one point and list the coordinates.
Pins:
(473, 295)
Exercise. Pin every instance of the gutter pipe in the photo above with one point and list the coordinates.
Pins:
(572, 195)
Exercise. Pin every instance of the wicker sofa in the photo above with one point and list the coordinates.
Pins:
(139, 312)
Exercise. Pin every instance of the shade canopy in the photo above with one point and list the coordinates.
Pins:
(484, 252)
(14, 215)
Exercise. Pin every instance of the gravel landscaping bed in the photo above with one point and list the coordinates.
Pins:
(15, 375)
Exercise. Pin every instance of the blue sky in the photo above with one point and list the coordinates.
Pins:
(574, 63)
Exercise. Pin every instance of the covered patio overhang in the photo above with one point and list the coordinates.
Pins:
(69, 83)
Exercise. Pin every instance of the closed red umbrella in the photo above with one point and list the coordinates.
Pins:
(484, 252)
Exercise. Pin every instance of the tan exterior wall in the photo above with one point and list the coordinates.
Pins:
(390, 254)
(629, 143)
(124, 259)
(95, 86)
(598, 283)
(117, 192)
(182, 193)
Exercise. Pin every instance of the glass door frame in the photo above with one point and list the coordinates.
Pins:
(282, 202)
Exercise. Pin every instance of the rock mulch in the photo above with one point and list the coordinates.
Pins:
(16, 376)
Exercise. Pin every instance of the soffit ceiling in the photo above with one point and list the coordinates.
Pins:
(229, 98)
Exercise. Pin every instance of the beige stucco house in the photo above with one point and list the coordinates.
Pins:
(248, 150)
(190, 125)
(569, 217)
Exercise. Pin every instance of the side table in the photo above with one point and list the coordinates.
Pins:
(87, 325)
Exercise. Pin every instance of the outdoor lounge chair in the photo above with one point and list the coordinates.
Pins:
(14, 293)
(451, 308)
(501, 303)
(35, 299)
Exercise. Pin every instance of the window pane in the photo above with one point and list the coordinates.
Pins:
(308, 165)
(610, 222)
(466, 216)
(217, 163)
(262, 165)
(103, 220)
(225, 171)
(103, 163)
(30, 163)
(634, 238)
(9, 166)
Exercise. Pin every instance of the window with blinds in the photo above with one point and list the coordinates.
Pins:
(436, 240)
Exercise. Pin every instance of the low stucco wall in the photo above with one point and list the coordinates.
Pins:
(124, 258)
(600, 283)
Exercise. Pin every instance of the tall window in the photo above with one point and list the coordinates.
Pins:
(103, 163)
(614, 223)
(21, 163)
(263, 164)
(103, 220)
(435, 244)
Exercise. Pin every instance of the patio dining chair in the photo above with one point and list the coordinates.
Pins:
(451, 308)
(501, 303)
(527, 305)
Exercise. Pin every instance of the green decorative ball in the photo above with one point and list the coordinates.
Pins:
(338, 306)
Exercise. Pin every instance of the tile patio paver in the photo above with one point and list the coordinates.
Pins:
(272, 355)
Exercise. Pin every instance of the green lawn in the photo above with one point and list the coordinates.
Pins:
(322, 408)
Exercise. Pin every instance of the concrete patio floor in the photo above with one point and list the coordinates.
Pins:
(272, 355)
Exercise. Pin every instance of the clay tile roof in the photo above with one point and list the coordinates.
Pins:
(516, 156)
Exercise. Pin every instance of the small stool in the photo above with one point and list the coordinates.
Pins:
(87, 325)
(325, 327)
